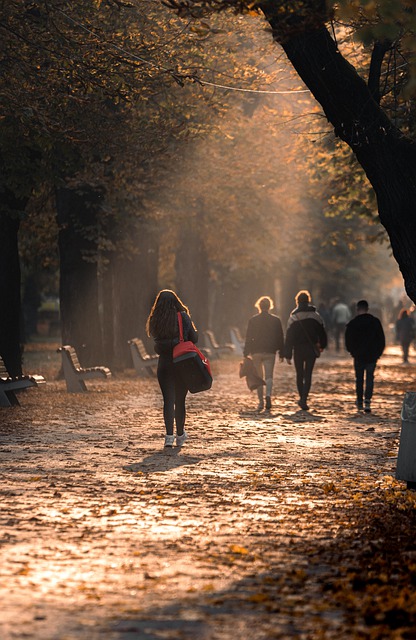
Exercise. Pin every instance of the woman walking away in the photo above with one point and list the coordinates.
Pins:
(162, 325)
(305, 338)
(405, 332)
(263, 338)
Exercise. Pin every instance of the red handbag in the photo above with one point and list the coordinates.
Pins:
(191, 364)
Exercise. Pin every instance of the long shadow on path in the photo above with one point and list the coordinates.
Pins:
(163, 460)
(167, 460)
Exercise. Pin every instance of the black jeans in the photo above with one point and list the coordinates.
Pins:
(339, 331)
(368, 369)
(174, 394)
(405, 345)
(304, 361)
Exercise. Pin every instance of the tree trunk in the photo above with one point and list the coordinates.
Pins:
(232, 299)
(106, 286)
(78, 289)
(130, 286)
(10, 311)
(387, 157)
(289, 287)
(192, 273)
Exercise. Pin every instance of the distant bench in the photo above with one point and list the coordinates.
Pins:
(217, 350)
(237, 340)
(143, 362)
(9, 384)
(75, 374)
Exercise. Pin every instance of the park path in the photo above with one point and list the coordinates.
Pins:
(253, 530)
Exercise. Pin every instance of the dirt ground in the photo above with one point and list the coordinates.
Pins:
(287, 524)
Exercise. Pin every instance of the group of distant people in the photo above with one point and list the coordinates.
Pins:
(305, 338)
(403, 322)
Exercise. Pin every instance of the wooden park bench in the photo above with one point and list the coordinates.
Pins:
(74, 374)
(217, 350)
(144, 363)
(10, 384)
(237, 340)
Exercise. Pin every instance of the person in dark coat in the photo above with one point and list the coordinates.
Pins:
(305, 338)
(264, 337)
(365, 341)
(405, 332)
(162, 325)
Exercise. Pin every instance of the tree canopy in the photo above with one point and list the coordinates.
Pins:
(352, 104)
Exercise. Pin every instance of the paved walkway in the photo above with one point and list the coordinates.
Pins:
(243, 533)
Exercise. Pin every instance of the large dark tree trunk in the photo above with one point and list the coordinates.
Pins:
(10, 312)
(387, 157)
(78, 290)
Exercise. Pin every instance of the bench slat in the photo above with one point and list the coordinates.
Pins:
(143, 362)
(75, 374)
(216, 349)
(8, 385)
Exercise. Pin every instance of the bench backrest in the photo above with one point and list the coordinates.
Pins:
(141, 348)
(3, 371)
(237, 333)
(213, 343)
(71, 356)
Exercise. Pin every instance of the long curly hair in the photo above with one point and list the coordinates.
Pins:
(162, 320)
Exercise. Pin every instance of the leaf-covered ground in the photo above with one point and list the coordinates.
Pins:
(278, 525)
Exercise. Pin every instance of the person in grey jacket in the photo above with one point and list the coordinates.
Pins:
(305, 338)
(365, 340)
(264, 337)
(340, 315)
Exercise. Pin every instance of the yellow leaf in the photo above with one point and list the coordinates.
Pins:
(235, 548)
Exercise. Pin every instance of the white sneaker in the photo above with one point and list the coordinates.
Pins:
(181, 439)
(169, 440)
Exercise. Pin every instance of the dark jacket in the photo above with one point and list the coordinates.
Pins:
(164, 346)
(405, 330)
(305, 328)
(364, 338)
(264, 334)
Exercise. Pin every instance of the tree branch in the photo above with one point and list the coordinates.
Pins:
(379, 51)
